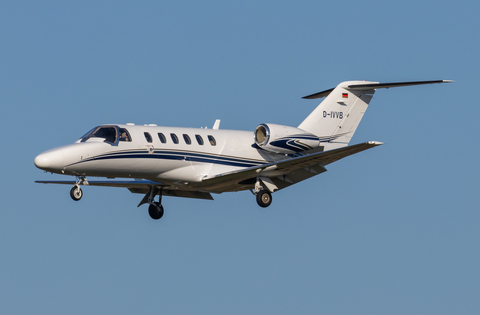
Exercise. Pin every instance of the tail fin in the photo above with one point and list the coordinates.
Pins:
(337, 117)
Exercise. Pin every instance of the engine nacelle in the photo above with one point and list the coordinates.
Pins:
(284, 139)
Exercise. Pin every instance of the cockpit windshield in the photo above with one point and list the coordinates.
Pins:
(109, 133)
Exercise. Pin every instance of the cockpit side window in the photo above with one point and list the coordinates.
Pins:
(124, 135)
(107, 133)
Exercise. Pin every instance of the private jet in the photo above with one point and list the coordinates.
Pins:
(198, 162)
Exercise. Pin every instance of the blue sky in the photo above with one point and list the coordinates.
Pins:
(393, 230)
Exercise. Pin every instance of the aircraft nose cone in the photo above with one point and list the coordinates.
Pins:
(51, 160)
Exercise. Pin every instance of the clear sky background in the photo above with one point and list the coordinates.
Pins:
(393, 230)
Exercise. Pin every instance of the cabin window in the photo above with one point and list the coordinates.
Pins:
(212, 141)
(107, 133)
(199, 139)
(148, 137)
(187, 139)
(174, 138)
(162, 137)
(124, 135)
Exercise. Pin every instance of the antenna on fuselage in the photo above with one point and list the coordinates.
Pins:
(216, 125)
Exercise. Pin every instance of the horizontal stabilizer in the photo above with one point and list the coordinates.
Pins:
(318, 95)
(374, 85)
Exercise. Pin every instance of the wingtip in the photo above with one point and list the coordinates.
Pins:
(375, 143)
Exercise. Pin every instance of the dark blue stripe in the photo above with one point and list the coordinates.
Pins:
(179, 156)
(174, 157)
(290, 145)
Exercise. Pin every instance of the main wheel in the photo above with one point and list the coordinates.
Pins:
(76, 193)
(264, 198)
(155, 210)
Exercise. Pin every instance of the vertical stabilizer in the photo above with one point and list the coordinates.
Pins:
(337, 117)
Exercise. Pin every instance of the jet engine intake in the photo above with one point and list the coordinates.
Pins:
(284, 139)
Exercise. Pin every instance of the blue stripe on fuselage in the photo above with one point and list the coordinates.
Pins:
(175, 155)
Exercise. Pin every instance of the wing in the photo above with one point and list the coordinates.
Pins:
(289, 171)
(106, 183)
(135, 186)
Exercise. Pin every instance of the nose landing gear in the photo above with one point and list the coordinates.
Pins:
(76, 192)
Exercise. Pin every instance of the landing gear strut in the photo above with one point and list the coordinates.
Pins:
(76, 192)
(264, 197)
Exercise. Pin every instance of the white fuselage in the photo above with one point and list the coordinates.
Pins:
(209, 153)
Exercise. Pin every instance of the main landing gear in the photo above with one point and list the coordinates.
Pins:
(264, 197)
(155, 209)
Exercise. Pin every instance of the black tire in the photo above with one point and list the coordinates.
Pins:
(264, 198)
(76, 193)
(155, 211)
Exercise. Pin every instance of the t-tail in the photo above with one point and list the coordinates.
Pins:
(337, 117)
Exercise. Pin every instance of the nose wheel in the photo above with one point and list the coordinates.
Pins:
(76, 193)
